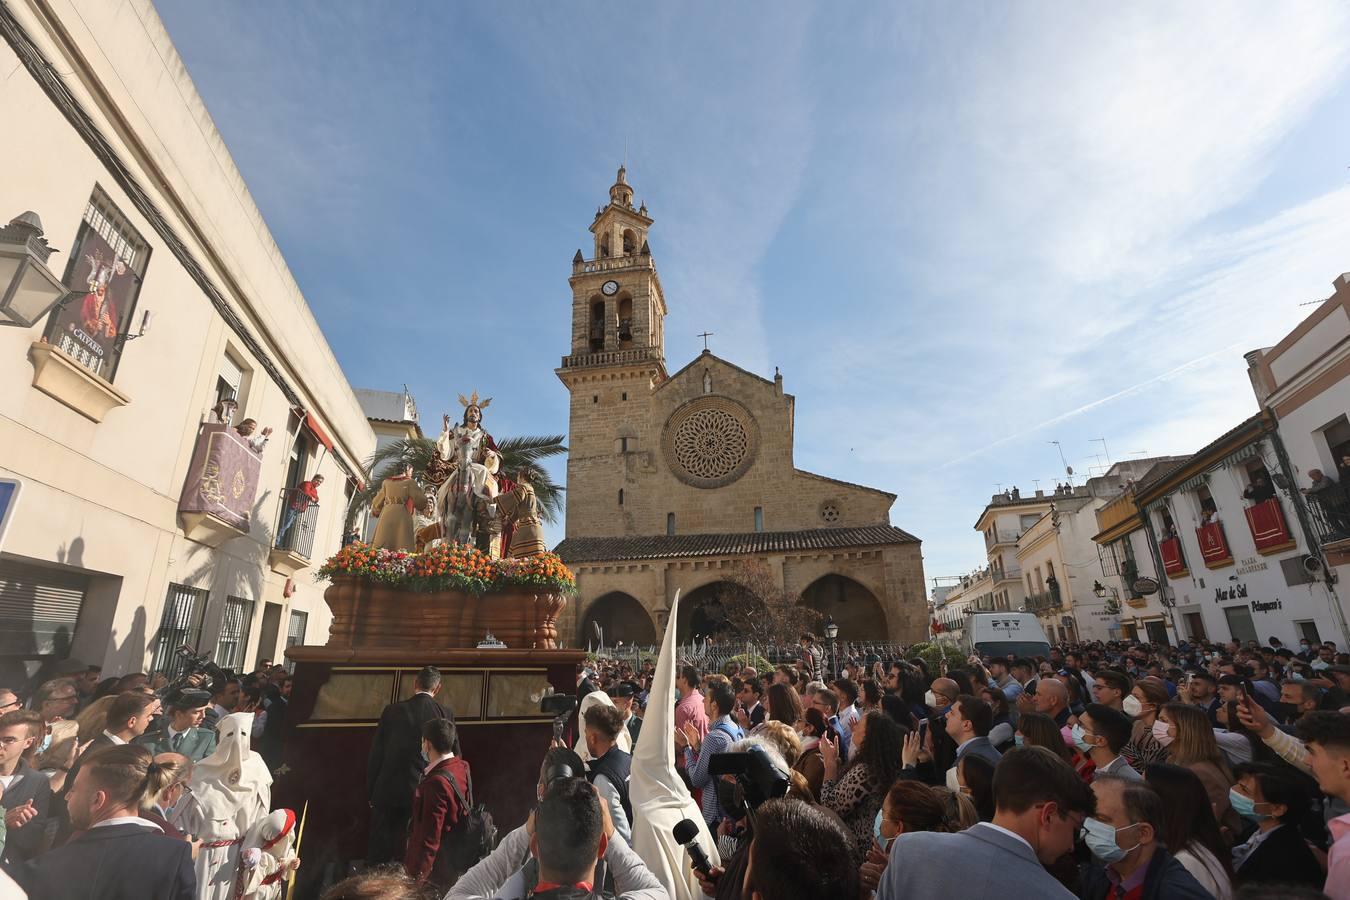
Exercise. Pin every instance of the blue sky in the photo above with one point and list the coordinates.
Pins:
(961, 230)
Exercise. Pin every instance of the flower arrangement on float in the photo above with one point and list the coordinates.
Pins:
(449, 567)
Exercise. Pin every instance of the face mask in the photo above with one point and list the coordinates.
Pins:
(883, 842)
(46, 742)
(1078, 740)
(952, 784)
(1160, 733)
(1101, 840)
(1245, 806)
(1132, 706)
(930, 700)
(1019, 740)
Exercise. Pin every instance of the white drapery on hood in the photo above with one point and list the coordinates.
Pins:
(233, 773)
(624, 742)
(660, 799)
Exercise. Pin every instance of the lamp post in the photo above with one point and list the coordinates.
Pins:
(832, 632)
(28, 289)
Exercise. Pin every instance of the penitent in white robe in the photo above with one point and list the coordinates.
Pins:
(660, 799)
(232, 792)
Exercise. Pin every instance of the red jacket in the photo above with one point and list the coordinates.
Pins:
(435, 812)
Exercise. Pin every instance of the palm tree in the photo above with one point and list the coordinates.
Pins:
(517, 453)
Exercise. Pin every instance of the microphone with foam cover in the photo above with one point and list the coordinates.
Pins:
(686, 832)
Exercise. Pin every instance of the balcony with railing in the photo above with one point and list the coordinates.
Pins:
(1330, 513)
(613, 357)
(297, 522)
(613, 263)
(1011, 573)
(1001, 536)
(1269, 529)
(1045, 601)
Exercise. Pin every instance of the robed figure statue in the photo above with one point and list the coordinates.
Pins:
(466, 466)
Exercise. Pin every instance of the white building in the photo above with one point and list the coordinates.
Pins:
(1236, 567)
(113, 555)
(1304, 382)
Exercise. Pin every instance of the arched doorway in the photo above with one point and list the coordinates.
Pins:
(853, 607)
(621, 617)
(701, 613)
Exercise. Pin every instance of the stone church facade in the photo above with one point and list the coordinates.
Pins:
(673, 480)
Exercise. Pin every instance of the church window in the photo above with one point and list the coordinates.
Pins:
(621, 496)
(710, 441)
(623, 445)
(629, 242)
(759, 518)
(597, 332)
(625, 319)
(595, 398)
(625, 395)
(604, 246)
(670, 523)
(829, 512)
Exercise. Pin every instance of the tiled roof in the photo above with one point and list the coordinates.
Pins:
(1160, 474)
(610, 549)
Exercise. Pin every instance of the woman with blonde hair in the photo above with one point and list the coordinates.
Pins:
(783, 738)
(94, 718)
(1185, 732)
(1143, 749)
(958, 810)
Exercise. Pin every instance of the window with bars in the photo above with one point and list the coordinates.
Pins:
(104, 275)
(295, 632)
(234, 628)
(180, 626)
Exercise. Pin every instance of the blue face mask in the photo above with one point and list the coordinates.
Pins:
(1019, 740)
(1245, 806)
(1101, 840)
(1078, 740)
(883, 842)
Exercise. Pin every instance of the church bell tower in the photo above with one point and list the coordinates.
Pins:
(617, 357)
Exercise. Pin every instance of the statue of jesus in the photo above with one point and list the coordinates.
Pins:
(465, 502)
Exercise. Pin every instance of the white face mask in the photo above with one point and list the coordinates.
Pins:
(1132, 706)
(1161, 733)
(930, 700)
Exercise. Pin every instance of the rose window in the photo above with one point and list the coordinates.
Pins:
(710, 442)
(830, 513)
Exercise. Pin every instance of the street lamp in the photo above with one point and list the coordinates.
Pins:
(28, 289)
(832, 632)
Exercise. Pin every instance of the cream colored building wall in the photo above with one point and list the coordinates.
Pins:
(597, 469)
(103, 497)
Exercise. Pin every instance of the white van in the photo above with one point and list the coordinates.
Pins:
(1005, 634)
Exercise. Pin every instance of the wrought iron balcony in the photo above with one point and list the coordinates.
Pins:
(1330, 511)
(297, 523)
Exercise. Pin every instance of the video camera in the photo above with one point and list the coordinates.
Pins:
(758, 778)
(194, 663)
(561, 707)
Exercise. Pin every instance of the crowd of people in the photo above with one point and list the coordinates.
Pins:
(1117, 771)
(135, 787)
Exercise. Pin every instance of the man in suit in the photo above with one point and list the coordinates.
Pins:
(1101, 732)
(751, 702)
(225, 699)
(395, 766)
(28, 793)
(968, 723)
(118, 853)
(185, 710)
(432, 856)
(1040, 804)
(1129, 858)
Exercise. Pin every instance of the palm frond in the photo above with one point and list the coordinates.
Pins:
(525, 452)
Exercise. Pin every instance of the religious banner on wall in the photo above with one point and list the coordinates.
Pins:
(104, 286)
(1174, 563)
(223, 477)
(1269, 531)
(1214, 546)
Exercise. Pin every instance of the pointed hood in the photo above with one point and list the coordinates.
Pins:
(660, 799)
(232, 774)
